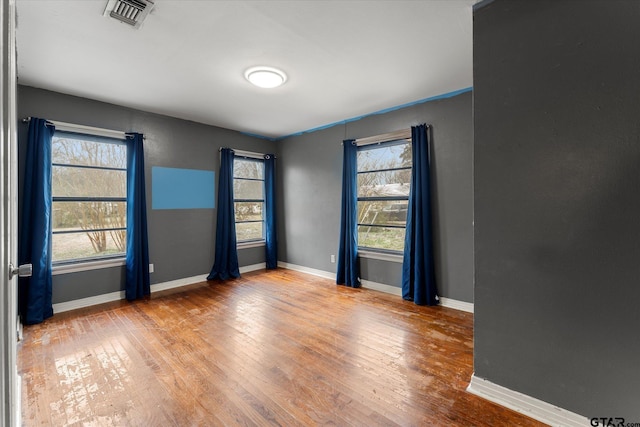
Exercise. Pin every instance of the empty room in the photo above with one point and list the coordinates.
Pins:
(294, 213)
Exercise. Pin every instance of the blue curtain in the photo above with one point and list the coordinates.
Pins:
(418, 276)
(137, 284)
(270, 235)
(225, 265)
(34, 293)
(348, 272)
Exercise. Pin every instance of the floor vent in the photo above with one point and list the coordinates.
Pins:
(132, 12)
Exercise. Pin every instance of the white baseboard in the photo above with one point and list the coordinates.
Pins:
(157, 287)
(381, 287)
(253, 267)
(456, 304)
(87, 302)
(171, 284)
(119, 295)
(394, 290)
(308, 270)
(526, 405)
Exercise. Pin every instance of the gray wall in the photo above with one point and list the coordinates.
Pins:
(181, 242)
(557, 236)
(310, 183)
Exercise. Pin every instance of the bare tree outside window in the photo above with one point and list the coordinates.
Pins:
(384, 179)
(89, 190)
(248, 194)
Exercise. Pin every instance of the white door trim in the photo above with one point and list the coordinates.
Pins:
(9, 382)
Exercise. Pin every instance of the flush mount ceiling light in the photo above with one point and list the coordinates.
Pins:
(265, 77)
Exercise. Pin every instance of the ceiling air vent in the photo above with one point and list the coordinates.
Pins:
(131, 12)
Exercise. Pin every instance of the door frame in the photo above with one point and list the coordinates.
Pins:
(9, 380)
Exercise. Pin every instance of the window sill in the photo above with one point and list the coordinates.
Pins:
(87, 265)
(246, 245)
(382, 256)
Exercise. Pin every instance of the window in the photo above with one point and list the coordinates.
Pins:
(248, 194)
(89, 197)
(384, 179)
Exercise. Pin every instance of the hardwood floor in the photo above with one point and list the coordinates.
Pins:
(272, 348)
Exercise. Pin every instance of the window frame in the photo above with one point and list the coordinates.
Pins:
(373, 143)
(101, 136)
(258, 158)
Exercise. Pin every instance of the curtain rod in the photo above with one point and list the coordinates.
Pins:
(250, 154)
(391, 136)
(71, 127)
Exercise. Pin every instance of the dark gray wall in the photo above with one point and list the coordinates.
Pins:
(387, 272)
(310, 168)
(181, 242)
(557, 236)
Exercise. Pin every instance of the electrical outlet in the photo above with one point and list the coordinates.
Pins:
(333, 258)
(150, 268)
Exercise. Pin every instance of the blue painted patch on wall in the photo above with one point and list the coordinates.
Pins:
(173, 188)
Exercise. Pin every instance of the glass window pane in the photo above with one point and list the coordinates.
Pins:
(376, 157)
(87, 245)
(384, 184)
(243, 168)
(88, 215)
(76, 150)
(244, 189)
(248, 211)
(249, 231)
(81, 182)
(388, 212)
(381, 238)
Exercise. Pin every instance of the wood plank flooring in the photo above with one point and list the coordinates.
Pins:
(271, 348)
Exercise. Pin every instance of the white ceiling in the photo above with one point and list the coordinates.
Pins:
(344, 59)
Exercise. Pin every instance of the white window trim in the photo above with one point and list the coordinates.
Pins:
(382, 256)
(251, 244)
(249, 154)
(87, 265)
(378, 139)
(90, 130)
